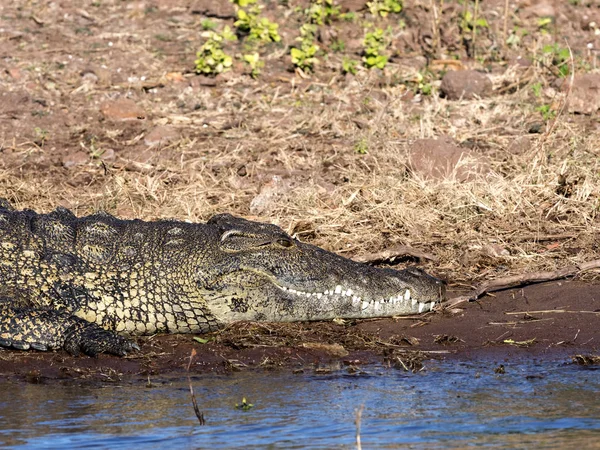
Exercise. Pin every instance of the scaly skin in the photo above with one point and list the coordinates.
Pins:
(75, 283)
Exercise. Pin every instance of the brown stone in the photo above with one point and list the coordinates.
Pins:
(465, 84)
(212, 8)
(77, 158)
(270, 193)
(520, 145)
(585, 94)
(539, 8)
(161, 135)
(442, 158)
(14, 72)
(352, 5)
(122, 109)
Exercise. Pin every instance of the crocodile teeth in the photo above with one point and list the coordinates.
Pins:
(414, 301)
(431, 305)
(349, 293)
(421, 307)
(407, 295)
(319, 294)
(365, 305)
(338, 289)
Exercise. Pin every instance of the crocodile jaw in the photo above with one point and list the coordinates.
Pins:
(264, 297)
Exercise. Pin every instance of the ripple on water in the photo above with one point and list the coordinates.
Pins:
(449, 405)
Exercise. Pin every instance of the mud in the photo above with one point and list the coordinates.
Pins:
(550, 321)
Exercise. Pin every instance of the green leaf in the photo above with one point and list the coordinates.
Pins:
(201, 340)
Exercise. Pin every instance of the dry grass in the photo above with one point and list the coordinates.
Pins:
(306, 132)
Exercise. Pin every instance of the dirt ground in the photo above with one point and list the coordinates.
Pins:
(555, 321)
(473, 154)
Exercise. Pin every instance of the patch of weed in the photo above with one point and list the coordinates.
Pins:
(375, 43)
(304, 56)
(384, 7)
(211, 59)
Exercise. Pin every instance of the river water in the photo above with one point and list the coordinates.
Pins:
(449, 405)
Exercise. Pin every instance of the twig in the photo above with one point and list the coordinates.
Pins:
(563, 102)
(500, 284)
(475, 17)
(199, 414)
(505, 26)
(395, 252)
(436, 28)
(357, 422)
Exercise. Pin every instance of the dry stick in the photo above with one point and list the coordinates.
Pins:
(357, 422)
(199, 414)
(475, 14)
(505, 27)
(500, 284)
(436, 30)
(563, 102)
(395, 252)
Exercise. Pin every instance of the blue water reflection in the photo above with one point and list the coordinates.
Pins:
(449, 405)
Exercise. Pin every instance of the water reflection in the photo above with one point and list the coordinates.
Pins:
(450, 405)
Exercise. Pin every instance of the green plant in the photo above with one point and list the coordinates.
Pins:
(361, 147)
(243, 3)
(304, 56)
(41, 135)
(211, 59)
(547, 112)
(255, 63)
(322, 11)
(424, 83)
(259, 29)
(544, 23)
(384, 7)
(537, 89)
(244, 406)
(468, 22)
(558, 56)
(208, 24)
(350, 16)
(349, 66)
(374, 46)
(338, 45)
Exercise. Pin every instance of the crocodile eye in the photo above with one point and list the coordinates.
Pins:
(285, 243)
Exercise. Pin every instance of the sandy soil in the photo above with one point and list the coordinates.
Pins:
(101, 108)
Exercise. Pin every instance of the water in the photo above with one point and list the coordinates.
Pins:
(450, 405)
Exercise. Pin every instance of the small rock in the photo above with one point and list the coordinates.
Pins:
(353, 5)
(539, 9)
(270, 193)
(495, 251)
(108, 155)
(122, 109)
(77, 158)
(14, 72)
(465, 84)
(520, 62)
(585, 94)
(211, 8)
(441, 158)
(161, 135)
(520, 145)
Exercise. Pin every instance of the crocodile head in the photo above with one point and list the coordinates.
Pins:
(261, 273)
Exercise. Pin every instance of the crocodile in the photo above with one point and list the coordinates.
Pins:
(91, 284)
